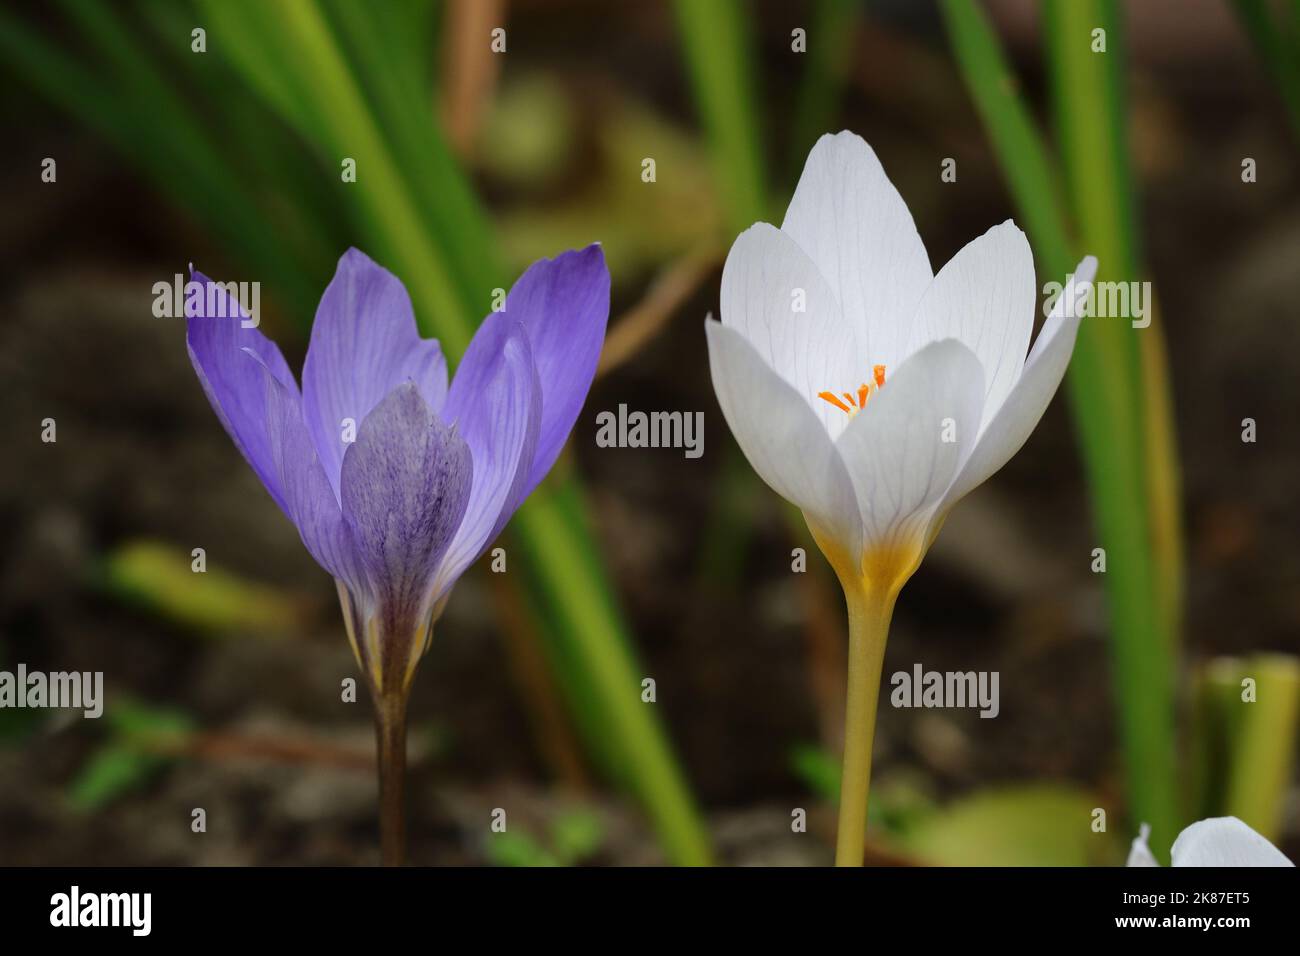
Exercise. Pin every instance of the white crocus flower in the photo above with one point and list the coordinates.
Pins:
(874, 394)
(1218, 841)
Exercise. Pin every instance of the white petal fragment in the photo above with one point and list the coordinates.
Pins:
(903, 450)
(773, 294)
(781, 437)
(851, 221)
(1139, 853)
(985, 297)
(1224, 841)
(1012, 424)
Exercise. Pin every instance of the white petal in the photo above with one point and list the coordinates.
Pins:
(896, 450)
(1012, 424)
(766, 277)
(1139, 853)
(781, 437)
(985, 297)
(1225, 841)
(849, 218)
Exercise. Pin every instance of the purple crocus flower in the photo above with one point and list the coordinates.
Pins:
(434, 472)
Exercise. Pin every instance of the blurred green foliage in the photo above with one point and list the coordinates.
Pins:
(571, 839)
(141, 741)
(1246, 717)
(160, 578)
(1118, 394)
(1031, 825)
(640, 228)
(1274, 29)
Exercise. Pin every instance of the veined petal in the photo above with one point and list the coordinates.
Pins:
(1011, 425)
(851, 221)
(773, 294)
(1224, 841)
(563, 303)
(364, 343)
(984, 297)
(229, 361)
(405, 483)
(308, 497)
(495, 403)
(782, 438)
(904, 448)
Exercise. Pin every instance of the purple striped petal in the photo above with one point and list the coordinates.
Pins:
(405, 483)
(495, 403)
(231, 362)
(308, 497)
(364, 343)
(563, 303)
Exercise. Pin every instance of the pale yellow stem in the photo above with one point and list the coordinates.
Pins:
(870, 609)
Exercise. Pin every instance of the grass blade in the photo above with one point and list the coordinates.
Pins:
(718, 47)
(1278, 45)
(1107, 374)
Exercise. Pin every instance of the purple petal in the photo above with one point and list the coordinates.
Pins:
(563, 303)
(405, 482)
(495, 403)
(364, 344)
(308, 497)
(230, 361)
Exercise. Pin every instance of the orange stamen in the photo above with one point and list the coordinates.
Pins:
(854, 404)
(834, 400)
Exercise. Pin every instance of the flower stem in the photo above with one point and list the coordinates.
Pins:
(390, 737)
(870, 609)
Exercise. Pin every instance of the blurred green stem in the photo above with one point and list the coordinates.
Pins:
(1278, 45)
(1091, 118)
(830, 44)
(602, 663)
(718, 47)
(1262, 743)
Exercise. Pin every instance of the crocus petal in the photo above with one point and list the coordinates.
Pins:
(563, 303)
(1015, 420)
(229, 360)
(309, 499)
(852, 222)
(495, 402)
(782, 437)
(1139, 853)
(405, 483)
(773, 294)
(985, 297)
(1224, 841)
(364, 343)
(897, 450)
